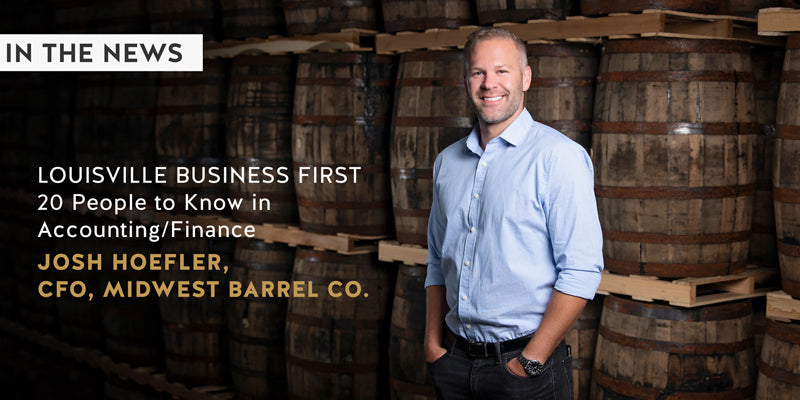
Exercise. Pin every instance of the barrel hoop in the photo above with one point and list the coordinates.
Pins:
(702, 349)
(663, 45)
(675, 76)
(193, 327)
(725, 311)
(785, 195)
(790, 77)
(454, 122)
(674, 193)
(412, 238)
(338, 120)
(344, 82)
(363, 168)
(335, 323)
(778, 374)
(791, 287)
(562, 50)
(788, 249)
(334, 368)
(411, 212)
(99, 111)
(407, 333)
(764, 184)
(789, 333)
(789, 132)
(414, 388)
(666, 238)
(432, 55)
(644, 392)
(277, 113)
(341, 205)
(429, 82)
(247, 78)
(537, 83)
(264, 59)
(257, 341)
(569, 125)
(189, 109)
(672, 270)
(191, 357)
(675, 128)
(411, 173)
(308, 255)
(212, 80)
(266, 267)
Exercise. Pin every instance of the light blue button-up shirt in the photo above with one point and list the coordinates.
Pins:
(508, 225)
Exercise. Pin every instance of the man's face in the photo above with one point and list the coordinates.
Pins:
(496, 80)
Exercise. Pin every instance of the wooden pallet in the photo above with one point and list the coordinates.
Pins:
(148, 376)
(778, 21)
(346, 40)
(393, 251)
(650, 23)
(691, 292)
(782, 307)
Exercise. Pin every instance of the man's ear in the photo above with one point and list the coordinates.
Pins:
(526, 78)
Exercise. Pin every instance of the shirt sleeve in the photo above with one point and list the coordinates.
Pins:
(573, 223)
(436, 229)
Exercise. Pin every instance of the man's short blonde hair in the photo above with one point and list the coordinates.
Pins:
(492, 32)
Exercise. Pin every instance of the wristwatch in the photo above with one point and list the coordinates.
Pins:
(532, 367)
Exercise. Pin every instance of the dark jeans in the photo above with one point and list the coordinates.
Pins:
(456, 375)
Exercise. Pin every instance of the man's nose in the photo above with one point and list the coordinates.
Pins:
(489, 80)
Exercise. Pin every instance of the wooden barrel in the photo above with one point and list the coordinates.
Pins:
(259, 135)
(649, 351)
(673, 141)
(252, 18)
(419, 15)
(121, 16)
(408, 371)
(131, 325)
(123, 103)
(596, 7)
(778, 366)
(342, 104)
(431, 111)
(562, 87)
(583, 338)
(749, 8)
(185, 16)
(194, 328)
(310, 17)
(257, 325)
(336, 346)
(767, 66)
(190, 132)
(786, 178)
(491, 11)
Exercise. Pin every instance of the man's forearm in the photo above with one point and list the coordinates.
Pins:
(435, 310)
(561, 313)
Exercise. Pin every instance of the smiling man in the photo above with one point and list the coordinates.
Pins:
(514, 241)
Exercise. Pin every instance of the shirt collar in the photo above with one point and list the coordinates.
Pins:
(514, 134)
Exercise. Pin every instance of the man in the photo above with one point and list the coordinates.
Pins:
(514, 241)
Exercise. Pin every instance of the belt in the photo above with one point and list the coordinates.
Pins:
(490, 349)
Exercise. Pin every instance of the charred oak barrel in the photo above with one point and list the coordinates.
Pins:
(562, 88)
(767, 66)
(786, 178)
(257, 323)
(431, 111)
(342, 106)
(419, 15)
(491, 11)
(408, 371)
(309, 17)
(336, 342)
(582, 338)
(252, 18)
(595, 7)
(673, 141)
(649, 351)
(259, 137)
(778, 369)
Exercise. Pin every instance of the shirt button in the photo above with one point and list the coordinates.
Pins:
(483, 164)
(475, 195)
(463, 297)
(472, 229)
(466, 263)
(469, 326)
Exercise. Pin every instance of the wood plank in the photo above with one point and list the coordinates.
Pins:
(393, 251)
(778, 20)
(349, 40)
(782, 306)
